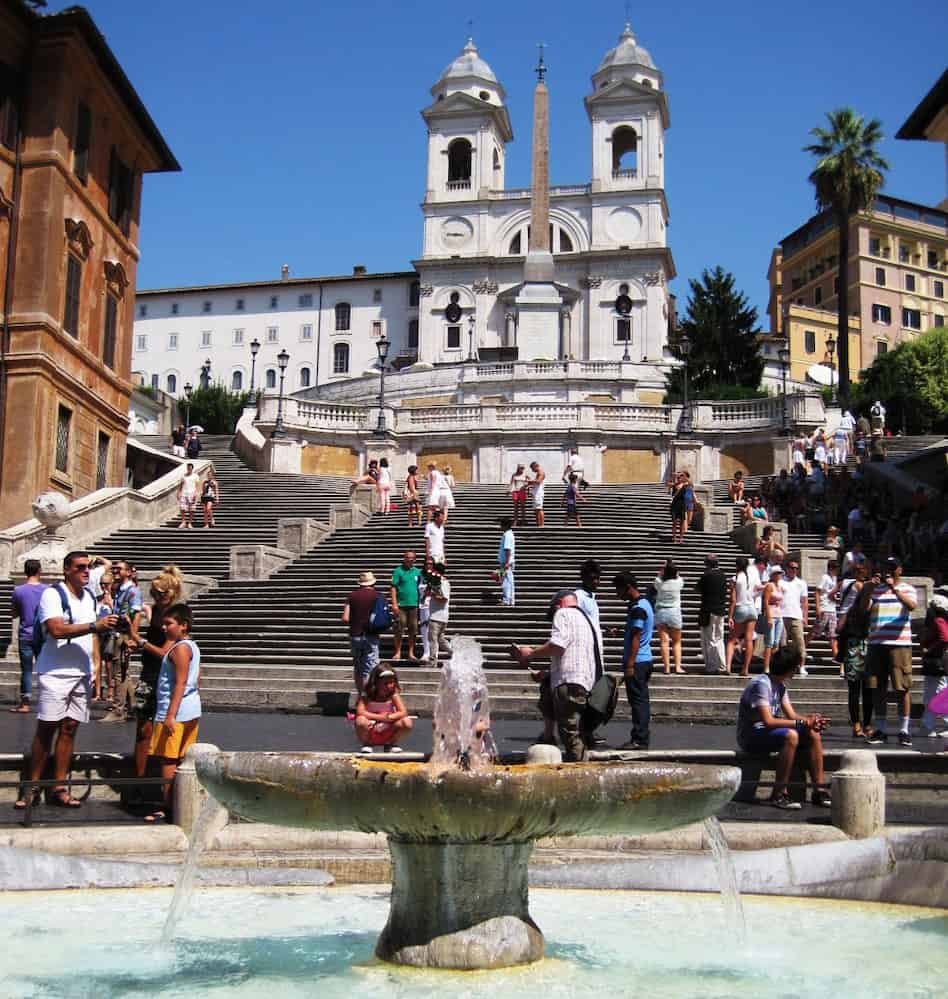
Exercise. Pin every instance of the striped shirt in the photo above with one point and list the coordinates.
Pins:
(574, 654)
(890, 621)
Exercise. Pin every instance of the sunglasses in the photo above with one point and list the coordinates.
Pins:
(83, 567)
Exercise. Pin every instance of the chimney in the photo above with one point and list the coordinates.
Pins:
(359, 270)
(285, 272)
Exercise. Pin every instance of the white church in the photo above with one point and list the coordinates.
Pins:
(606, 300)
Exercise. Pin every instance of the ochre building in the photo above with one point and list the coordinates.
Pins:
(75, 141)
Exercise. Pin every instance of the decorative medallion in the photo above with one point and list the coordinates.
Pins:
(456, 232)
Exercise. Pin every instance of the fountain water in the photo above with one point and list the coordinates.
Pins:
(461, 830)
(727, 876)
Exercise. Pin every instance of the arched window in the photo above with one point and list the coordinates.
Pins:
(304, 377)
(343, 317)
(566, 244)
(515, 246)
(237, 381)
(271, 378)
(172, 384)
(340, 359)
(625, 152)
(459, 163)
(414, 294)
(413, 334)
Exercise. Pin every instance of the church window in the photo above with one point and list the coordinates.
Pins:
(73, 286)
(625, 144)
(340, 359)
(172, 384)
(413, 334)
(566, 244)
(484, 96)
(271, 378)
(414, 294)
(237, 381)
(515, 245)
(304, 377)
(454, 338)
(459, 163)
(343, 317)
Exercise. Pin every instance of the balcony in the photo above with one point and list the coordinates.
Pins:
(459, 185)
(624, 174)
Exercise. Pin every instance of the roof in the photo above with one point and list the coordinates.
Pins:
(921, 118)
(467, 64)
(627, 53)
(79, 19)
(277, 283)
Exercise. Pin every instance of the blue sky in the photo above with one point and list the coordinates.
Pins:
(298, 130)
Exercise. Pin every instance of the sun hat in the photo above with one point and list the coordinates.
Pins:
(367, 579)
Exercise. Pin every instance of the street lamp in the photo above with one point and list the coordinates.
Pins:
(382, 345)
(283, 358)
(684, 346)
(206, 374)
(470, 338)
(831, 350)
(783, 353)
(254, 350)
(188, 389)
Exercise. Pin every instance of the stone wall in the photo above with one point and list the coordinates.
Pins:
(631, 465)
(460, 460)
(751, 459)
(326, 459)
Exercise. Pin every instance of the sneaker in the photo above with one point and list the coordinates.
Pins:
(394, 749)
(785, 802)
(905, 739)
(877, 739)
(368, 750)
(822, 798)
(803, 671)
(632, 744)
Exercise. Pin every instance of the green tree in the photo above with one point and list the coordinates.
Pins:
(912, 382)
(849, 173)
(721, 326)
(215, 409)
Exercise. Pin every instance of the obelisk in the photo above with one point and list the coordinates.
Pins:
(539, 302)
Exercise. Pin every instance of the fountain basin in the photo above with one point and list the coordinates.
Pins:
(461, 840)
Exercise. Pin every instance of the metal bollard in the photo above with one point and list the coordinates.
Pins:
(859, 795)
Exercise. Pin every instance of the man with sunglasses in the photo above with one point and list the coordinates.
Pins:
(67, 615)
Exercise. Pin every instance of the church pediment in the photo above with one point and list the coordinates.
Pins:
(460, 105)
(622, 91)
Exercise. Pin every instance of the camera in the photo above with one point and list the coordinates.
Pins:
(123, 625)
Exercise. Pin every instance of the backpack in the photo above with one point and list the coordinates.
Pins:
(39, 632)
(381, 617)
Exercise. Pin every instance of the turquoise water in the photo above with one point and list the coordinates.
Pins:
(284, 943)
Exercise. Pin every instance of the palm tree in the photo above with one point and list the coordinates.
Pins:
(848, 174)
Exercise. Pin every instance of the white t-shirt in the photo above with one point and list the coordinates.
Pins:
(507, 541)
(434, 536)
(190, 485)
(754, 583)
(794, 592)
(74, 654)
(438, 606)
(576, 464)
(827, 585)
(847, 422)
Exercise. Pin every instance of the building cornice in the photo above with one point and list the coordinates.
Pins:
(278, 283)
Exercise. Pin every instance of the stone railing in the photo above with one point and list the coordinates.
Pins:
(313, 415)
(636, 416)
(757, 414)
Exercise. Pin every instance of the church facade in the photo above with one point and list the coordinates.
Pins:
(463, 301)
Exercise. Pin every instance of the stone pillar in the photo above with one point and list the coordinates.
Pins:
(510, 330)
(299, 534)
(566, 333)
(686, 457)
(189, 794)
(859, 795)
(282, 454)
(782, 459)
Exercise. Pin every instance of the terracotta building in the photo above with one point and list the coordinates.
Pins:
(75, 140)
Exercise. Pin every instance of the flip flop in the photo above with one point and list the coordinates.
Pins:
(23, 709)
(156, 818)
(60, 798)
(36, 795)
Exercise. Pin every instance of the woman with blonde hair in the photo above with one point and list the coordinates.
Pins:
(210, 497)
(448, 495)
(166, 591)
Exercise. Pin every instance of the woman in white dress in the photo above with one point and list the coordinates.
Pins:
(439, 493)
(383, 486)
(447, 495)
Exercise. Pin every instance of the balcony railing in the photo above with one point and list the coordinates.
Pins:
(459, 185)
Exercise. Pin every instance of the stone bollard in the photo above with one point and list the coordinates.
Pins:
(189, 793)
(542, 753)
(859, 795)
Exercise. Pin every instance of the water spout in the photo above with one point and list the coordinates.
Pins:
(461, 732)
(727, 877)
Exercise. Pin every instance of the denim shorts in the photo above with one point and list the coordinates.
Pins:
(668, 617)
(773, 631)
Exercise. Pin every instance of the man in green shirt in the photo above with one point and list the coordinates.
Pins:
(405, 604)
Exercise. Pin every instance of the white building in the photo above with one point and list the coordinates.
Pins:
(608, 237)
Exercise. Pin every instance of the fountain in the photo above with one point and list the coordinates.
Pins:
(460, 828)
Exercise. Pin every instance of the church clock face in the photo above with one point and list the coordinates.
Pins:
(456, 232)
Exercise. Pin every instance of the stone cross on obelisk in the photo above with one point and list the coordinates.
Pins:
(539, 302)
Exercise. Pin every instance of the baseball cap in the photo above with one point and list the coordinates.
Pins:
(774, 569)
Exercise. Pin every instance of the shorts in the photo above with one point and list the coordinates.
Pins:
(365, 653)
(186, 504)
(890, 664)
(773, 632)
(793, 629)
(173, 746)
(63, 694)
(380, 733)
(520, 496)
(826, 625)
(771, 740)
(538, 498)
(668, 617)
(744, 613)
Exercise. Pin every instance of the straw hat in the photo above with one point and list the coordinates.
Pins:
(366, 579)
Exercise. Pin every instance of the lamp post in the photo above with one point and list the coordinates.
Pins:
(626, 339)
(784, 354)
(188, 389)
(684, 345)
(831, 350)
(254, 350)
(470, 338)
(382, 345)
(206, 374)
(283, 358)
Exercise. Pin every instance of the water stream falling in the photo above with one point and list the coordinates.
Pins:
(461, 730)
(205, 825)
(727, 877)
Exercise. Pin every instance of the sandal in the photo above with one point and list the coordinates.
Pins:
(61, 798)
(34, 797)
(23, 709)
(156, 818)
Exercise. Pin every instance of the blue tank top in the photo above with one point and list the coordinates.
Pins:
(190, 707)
